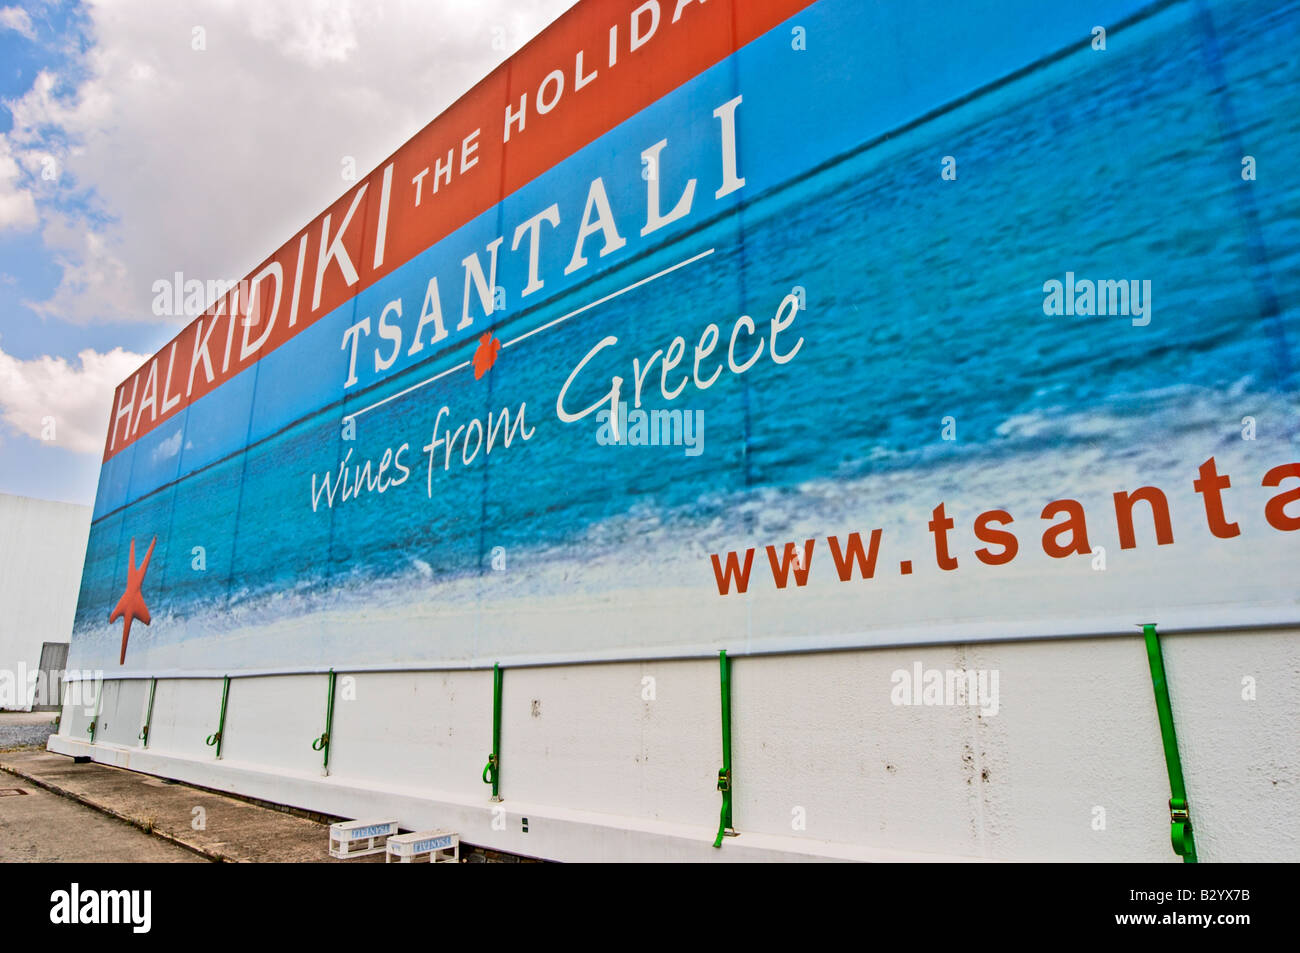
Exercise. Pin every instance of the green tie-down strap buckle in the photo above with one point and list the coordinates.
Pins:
(1180, 819)
(1180, 830)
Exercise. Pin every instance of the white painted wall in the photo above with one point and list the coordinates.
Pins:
(42, 549)
(272, 722)
(603, 772)
(585, 737)
(440, 742)
(186, 712)
(121, 712)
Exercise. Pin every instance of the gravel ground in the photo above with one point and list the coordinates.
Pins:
(25, 728)
(14, 736)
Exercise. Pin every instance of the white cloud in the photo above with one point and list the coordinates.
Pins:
(203, 161)
(77, 398)
(16, 19)
(168, 447)
(17, 206)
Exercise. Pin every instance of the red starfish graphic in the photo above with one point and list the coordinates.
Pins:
(486, 354)
(131, 606)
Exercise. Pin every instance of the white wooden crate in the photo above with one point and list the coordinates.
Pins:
(434, 847)
(359, 838)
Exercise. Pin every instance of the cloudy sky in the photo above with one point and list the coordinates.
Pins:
(139, 138)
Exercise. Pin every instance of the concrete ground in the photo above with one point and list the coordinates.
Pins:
(25, 728)
(39, 827)
(54, 822)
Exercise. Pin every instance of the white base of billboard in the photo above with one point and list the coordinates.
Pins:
(1058, 757)
(555, 834)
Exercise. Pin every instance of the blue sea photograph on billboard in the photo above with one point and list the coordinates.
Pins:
(899, 323)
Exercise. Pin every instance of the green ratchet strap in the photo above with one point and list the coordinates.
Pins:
(323, 742)
(492, 771)
(1180, 821)
(216, 739)
(725, 828)
(99, 707)
(148, 715)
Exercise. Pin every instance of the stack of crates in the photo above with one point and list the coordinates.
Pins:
(434, 847)
(359, 838)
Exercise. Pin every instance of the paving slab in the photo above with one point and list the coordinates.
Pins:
(210, 824)
(37, 826)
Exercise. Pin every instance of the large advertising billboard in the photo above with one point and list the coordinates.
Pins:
(762, 325)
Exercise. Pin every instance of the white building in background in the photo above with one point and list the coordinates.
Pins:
(42, 547)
